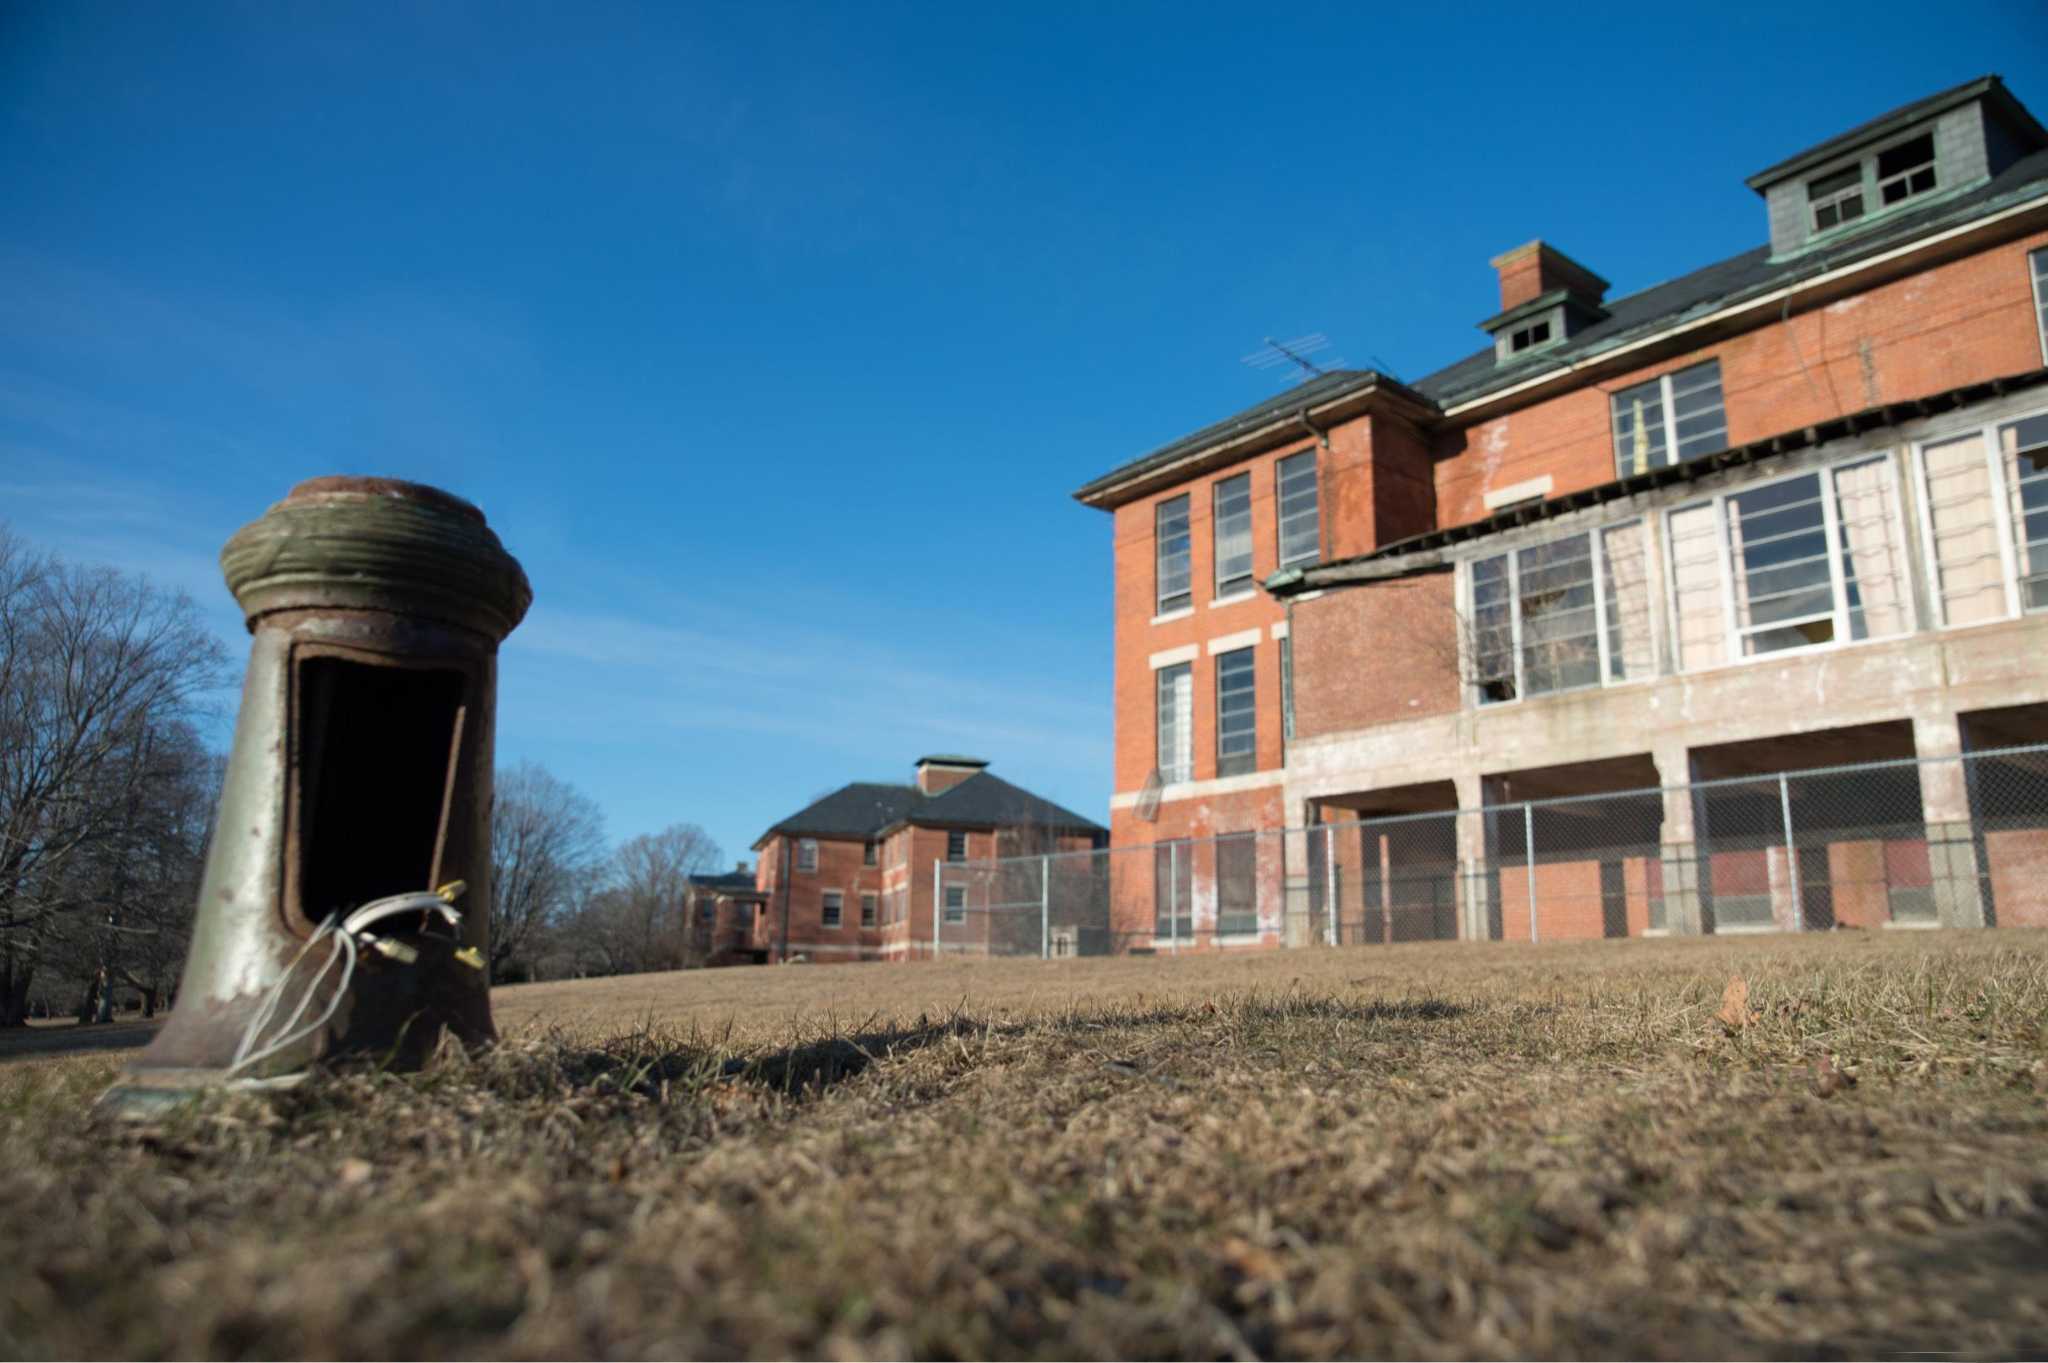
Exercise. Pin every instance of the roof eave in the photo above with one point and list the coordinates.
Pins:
(1887, 124)
(1115, 489)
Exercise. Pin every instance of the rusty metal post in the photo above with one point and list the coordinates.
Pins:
(361, 769)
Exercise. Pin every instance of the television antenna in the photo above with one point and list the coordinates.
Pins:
(1283, 358)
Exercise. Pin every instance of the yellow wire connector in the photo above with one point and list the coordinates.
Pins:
(471, 957)
(453, 891)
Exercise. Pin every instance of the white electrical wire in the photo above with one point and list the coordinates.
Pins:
(347, 934)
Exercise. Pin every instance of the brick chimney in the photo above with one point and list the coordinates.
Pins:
(944, 771)
(1534, 269)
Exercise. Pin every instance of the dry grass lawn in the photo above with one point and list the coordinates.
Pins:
(1415, 1151)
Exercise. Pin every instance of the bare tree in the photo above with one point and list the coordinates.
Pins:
(635, 922)
(547, 844)
(98, 670)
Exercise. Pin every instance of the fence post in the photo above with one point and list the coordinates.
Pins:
(1330, 883)
(1791, 856)
(1173, 894)
(1529, 859)
(1045, 908)
(938, 905)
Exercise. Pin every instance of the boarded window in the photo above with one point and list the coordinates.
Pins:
(1176, 722)
(807, 855)
(1695, 536)
(1237, 885)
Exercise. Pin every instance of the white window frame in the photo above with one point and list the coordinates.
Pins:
(807, 856)
(1597, 537)
(954, 914)
(1182, 766)
(1251, 712)
(2037, 266)
(1667, 407)
(2001, 516)
(832, 909)
(1732, 636)
(870, 909)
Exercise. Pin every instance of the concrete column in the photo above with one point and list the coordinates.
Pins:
(1683, 867)
(1472, 877)
(1297, 923)
(1951, 832)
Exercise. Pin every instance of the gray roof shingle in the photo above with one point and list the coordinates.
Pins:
(865, 808)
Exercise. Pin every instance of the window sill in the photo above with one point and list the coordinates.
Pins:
(1168, 617)
(1912, 925)
(1239, 939)
(1234, 598)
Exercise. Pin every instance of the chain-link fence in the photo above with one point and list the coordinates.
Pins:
(1955, 842)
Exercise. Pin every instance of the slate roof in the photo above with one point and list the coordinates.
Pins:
(1647, 311)
(730, 882)
(865, 809)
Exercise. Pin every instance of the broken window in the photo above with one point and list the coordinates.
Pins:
(1562, 615)
(1234, 534)
(1906, 169)
(1528, 337)
(2025, 444)
(1669, 420)
(956, 845)
(1172, 562)
(1807, 561)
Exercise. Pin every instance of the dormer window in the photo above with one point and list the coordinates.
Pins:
(1902, 171)
(1905, 170)
(1529, 337)
(1836, 198)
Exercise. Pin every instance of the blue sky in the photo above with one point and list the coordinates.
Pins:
(772, 338)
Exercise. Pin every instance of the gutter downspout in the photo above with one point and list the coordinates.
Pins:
(1322, 476)
(785, 899)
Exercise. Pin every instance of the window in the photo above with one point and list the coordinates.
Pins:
(1237, 886)
(1234, 534)
(1287, 687)
(807, 855)
(1836, 199)
(1802, 562)
(956, 845)
(1905, 170)
(1173, 881)
(1528, 337)
(1236, 714)
(1173, 566)
(1986, 522)
(1669, 420)
(956, 903)
(1294, 490)
(1555, 617)
(867, 854)
(868, 909)
(830, 915)
(2039, 261)
(1176, 723)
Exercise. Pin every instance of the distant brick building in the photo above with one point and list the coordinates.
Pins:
(1787, 510)
(851, 875)
(726, 918)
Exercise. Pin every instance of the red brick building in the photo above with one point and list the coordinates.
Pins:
(725, 917)
(854, 875)
(1787, 510)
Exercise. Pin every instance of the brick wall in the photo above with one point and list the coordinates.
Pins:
(1366, 656)
(1962, 322)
